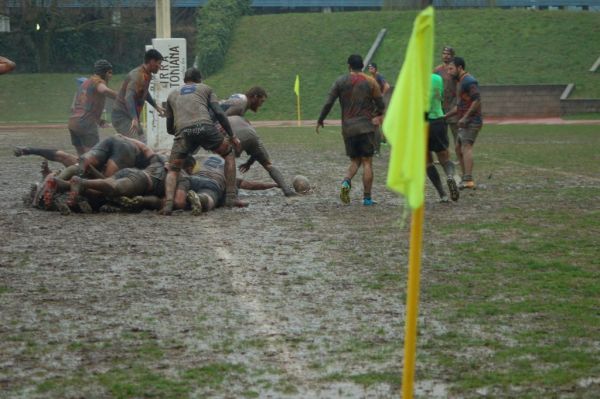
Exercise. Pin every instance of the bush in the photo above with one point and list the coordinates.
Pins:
(216, 22)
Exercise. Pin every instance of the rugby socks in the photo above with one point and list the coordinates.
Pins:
(278, 178)
(434, 176)
(449, 168)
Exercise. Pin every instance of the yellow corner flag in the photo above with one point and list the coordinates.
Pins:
(297, 91)
(297, 86)
(404, 124)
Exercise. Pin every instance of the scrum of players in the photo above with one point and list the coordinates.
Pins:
(122, 173)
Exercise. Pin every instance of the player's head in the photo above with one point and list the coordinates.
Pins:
(256, 97)
(153, 59)
(447, 54)
(355, 62)
(103, 69)
(372, 68)
(456, 66)
(192, 75)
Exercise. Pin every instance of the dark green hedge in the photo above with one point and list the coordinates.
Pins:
(216, 22)
(69, 50)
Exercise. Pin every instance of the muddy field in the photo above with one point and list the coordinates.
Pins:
(298, 298)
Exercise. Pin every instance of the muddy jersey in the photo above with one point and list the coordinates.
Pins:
(214, 168)
(88, 105)
(123, 152)
(468, 92)
(189, 105)
(380, 79)
(360, 99)
(449, 88)
(134, 92)
(249, 139)
(235, 105)
(158, 173)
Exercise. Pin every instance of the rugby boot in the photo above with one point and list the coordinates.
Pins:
(195, 203)
(453, 188)
(131, 204)
(369, 202)
(444, 199)
(467, 184)
(61, 205)
(345, 192)
(84, 205)
(19, 151)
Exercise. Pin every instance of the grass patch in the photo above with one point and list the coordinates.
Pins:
(141, 382)
(213, 374)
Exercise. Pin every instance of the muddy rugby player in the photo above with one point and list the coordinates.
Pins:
(127, 182)
(251, 143)
(438, 142)
(449, 90)
(238, 104)
(204, 190)
(132, 95)
(102, 160)
(361, 101)
(468, 110)
(235, 108)
(86, 113)
(192, 111)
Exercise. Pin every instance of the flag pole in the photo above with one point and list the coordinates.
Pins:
(412, 296)
(297, 91)
(298, 107)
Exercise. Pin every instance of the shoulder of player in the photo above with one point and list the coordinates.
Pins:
(372, 81)
(469, 79)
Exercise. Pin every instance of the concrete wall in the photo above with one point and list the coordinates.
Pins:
(579, 106)
(522, 100)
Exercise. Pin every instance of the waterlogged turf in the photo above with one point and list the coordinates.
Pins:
(304, 297)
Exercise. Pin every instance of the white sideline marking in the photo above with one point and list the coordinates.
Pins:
(254, 309)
